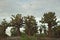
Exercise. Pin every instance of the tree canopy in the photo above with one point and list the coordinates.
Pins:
(30, 25)
(17, 22)
(50, 19)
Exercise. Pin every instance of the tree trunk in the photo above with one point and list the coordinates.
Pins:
(29, 33)
(18, 31)
(49, 30)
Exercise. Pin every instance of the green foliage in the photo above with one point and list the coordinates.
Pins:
(13, 31)
(17, 22)
(42, 35)
(30, 25)
(56, 31)
(50, 19)
(26, 37)
(4, 23)
(43, 28)
(3, 26)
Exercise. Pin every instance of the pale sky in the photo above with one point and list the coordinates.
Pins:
(28, 7)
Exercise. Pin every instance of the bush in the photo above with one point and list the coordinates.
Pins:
(26, 37)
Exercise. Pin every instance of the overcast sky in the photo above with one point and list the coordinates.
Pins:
(28, 7)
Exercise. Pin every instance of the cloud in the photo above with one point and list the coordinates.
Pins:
(28, 7)
(8, 31)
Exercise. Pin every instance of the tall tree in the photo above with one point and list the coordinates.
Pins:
(3, 26)
(30, 25)
(17, 22)
(50, 19)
